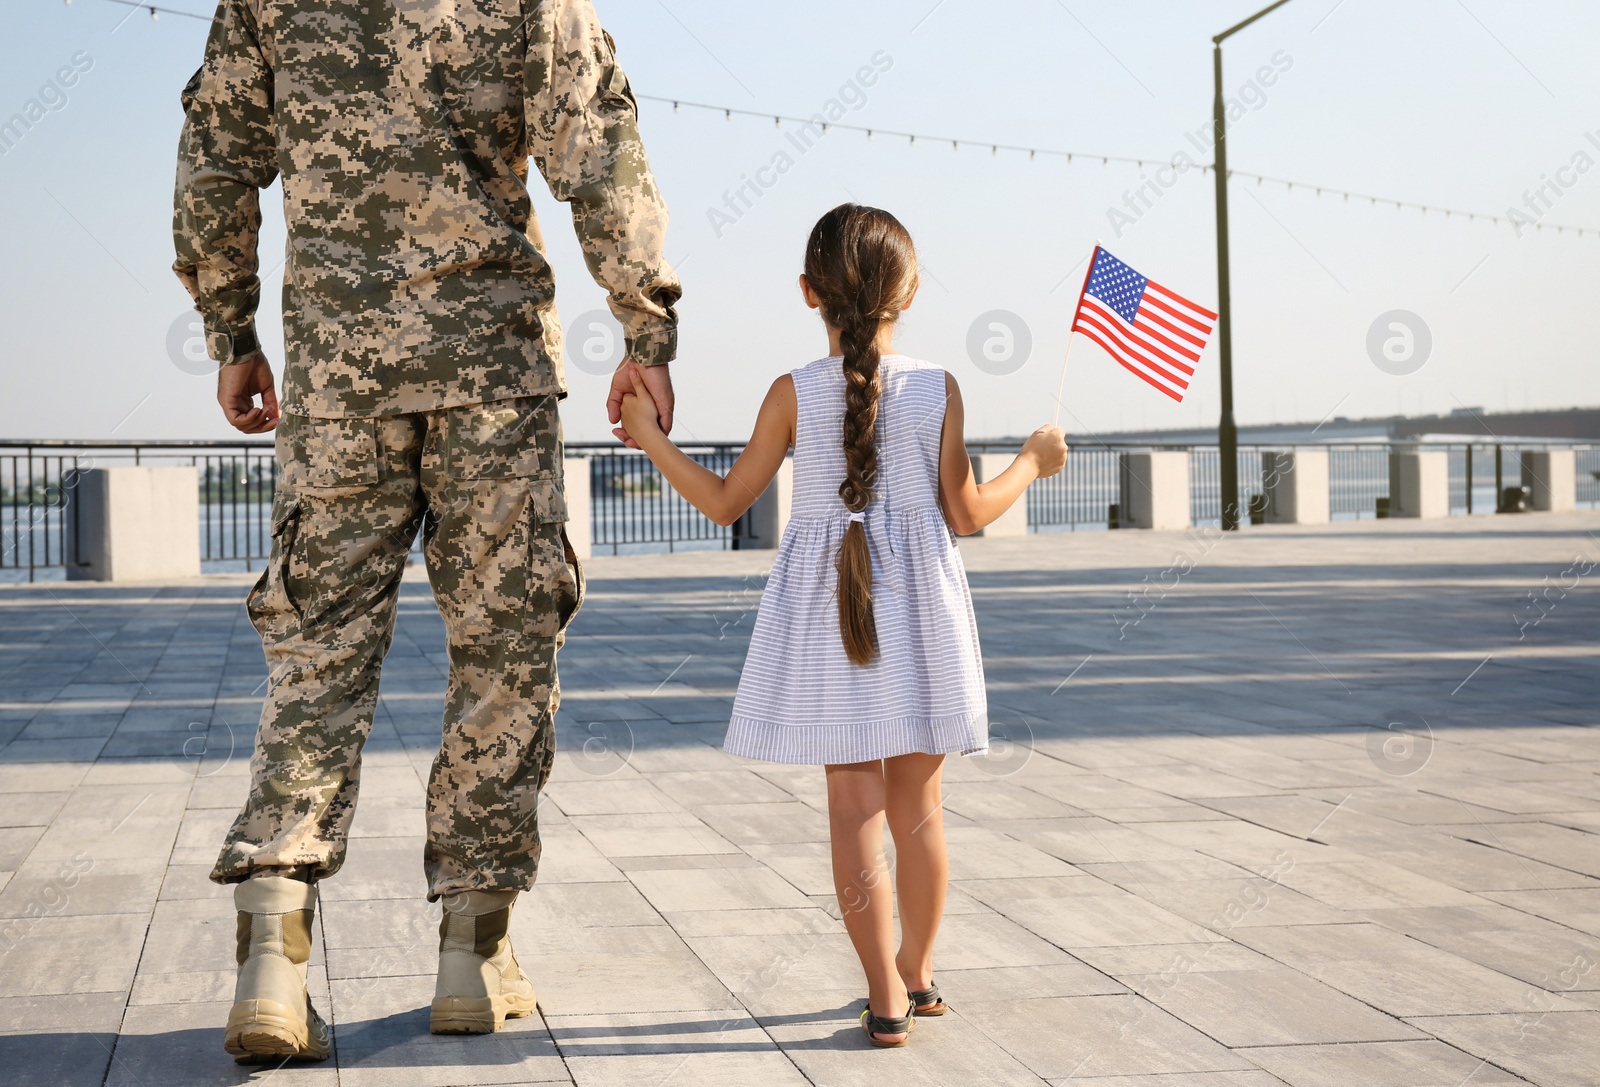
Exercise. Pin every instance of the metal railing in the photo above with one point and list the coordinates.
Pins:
(634, 509)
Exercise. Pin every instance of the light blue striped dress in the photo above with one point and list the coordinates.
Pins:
(800, 698)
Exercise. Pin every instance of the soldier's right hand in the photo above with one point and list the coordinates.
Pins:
(238, 384)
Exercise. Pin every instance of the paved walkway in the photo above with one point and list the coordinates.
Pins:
(1319, 807)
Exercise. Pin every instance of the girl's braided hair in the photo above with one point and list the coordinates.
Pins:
(862, 267)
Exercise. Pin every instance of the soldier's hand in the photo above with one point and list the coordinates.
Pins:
(657, 381)
(237, 387)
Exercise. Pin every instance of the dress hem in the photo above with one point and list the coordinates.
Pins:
(825, 745)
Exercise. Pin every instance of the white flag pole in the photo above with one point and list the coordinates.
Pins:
(1071, 335)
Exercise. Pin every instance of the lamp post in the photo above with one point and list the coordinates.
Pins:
(1227, 431)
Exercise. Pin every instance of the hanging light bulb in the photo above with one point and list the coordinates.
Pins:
(155, 16)
(869, 133)
(727, 115)
(1030, 157)
(675, 107)
(777, 122)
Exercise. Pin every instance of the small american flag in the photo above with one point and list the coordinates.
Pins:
(1154, 333)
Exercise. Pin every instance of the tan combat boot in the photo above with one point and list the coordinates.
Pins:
(480, 984)
(272, 1015)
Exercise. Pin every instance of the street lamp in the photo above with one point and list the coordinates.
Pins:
(1227, 431)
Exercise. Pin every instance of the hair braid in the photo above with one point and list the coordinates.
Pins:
(861, 265)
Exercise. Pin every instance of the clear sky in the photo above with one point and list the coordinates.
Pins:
(1458, 103)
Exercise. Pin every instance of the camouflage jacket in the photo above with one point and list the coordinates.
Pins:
(415, 273)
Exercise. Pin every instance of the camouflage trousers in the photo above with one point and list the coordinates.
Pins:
(483, 483)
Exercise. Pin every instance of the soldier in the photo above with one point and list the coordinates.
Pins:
(420, 389)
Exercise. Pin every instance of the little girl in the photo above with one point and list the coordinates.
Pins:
(865, 657)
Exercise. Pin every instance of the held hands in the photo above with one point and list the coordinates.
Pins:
(637, 411)
(238, 385)
(658, 390)
(1047, 446)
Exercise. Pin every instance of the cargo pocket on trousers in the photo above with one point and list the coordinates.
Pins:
(272, 610)
(555, 579)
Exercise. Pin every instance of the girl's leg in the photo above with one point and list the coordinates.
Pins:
(916, 818)
(861, 879)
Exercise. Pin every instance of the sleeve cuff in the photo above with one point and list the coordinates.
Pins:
(227, 346)
(654, 348)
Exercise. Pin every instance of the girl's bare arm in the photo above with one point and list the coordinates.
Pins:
(723, 499)
(970, 506)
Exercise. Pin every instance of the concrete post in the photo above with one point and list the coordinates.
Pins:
(135, 524)
(1155, 490)
(1419, 482)
(580, 515)
(1551, 476)
(1296, 487)
(1014, 521)
(770, 515)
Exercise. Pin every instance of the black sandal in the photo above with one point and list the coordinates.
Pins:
(875, 1025)
(927, 1001)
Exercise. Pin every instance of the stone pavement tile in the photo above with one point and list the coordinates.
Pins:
(703, 1069)
(65, 725)
(981, 853)
(749, 966)
(691, 860)
(974, 941)
(386, 817)
(1370, 885)
(16, 843)
(764, 922)
(1165, 814)
(180, 1045)
(651, 834)
(1171, 959)
(1067, 978)
(58, 1041)
(689, 755)
(1188, 781)
(1093, 840)
(993, 891)
(1088, 1036)
(1101, 920)
(736, 786)
(1573, 850)
(378, 868)
(1091, 792)
(716, 889)
(1297, 816)
(1273, 1005)
(583, 905)
(1405, 805)
(1191, 1079)
(608, 798)
(381, 1039)
(86, 887)
(1514, 798)
(33, 778)
(1555, 1050)
(748, 824)
(193, 881)
(800, 782)
(987, 800)
(1539, 952)
(1577, 908)
(807, 865)
(1223, 904)
(47, 956)
(820, 1031)
(702, 1031)
(27, 752)
(188, 987)
(1392, 972)
(1253, 847)
(1426, 1063)
(581, 971)
(176, 771)
(30, 809)
(1184, 869)
(379, 937)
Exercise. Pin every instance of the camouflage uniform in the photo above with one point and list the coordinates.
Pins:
(422, 374)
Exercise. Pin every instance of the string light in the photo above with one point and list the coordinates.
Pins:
(156, 11)
(1106, 160)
